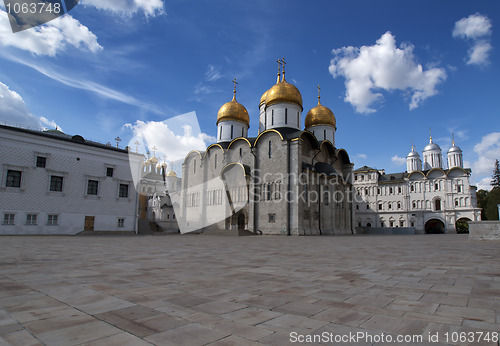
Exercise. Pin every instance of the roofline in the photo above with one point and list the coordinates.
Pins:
(69, 140)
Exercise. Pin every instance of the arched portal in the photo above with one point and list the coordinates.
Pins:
(434, 226)
(462, 225)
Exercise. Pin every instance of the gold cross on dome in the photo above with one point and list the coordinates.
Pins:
(154, 148)
(235, 84)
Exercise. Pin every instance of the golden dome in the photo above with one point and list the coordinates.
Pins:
(171, 174)
(153, 160)
(320, 115)
(263, 98)
(233, 110)
(283, 92)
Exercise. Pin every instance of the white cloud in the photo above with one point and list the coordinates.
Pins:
(83, 84)
(398, 161)
(477, 29)
(368, 70)
(213, 73)
(128, 7)
(362, 156)
(13, 111)
(174, 137)
(488, 150)
(51, 38)
(474, 26)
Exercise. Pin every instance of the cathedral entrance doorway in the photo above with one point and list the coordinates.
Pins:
(462, 225)
(434, 226)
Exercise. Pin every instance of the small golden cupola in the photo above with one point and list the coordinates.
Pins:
(233, 120)
(321, 121)
(233, 110)
(320, 115)
(283, 91)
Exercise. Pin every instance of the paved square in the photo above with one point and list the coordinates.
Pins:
(197, 290)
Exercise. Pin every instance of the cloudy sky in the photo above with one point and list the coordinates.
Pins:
(389, 71)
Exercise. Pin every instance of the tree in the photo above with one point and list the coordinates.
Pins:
(495, 182)
(493, 201)
(482, 202)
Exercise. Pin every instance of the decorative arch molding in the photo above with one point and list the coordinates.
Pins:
(245, 168)
(192, 152)
(443, 173)
(342, 153)
(328, 145)
(312, 139)
(267, 131)
(414, 173)
(212, 146)
(239, 139)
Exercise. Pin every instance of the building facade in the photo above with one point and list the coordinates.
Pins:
(54, 183)
(288, 180)
(427, 196)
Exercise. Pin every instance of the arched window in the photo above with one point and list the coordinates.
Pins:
(215, 162)
(194, 166)
(272, 117)
(286, 115)
(437, 204)
(412, 188)
(220, 132)
(269, 149)
(240, 153)
(231, 131)
(327, 196)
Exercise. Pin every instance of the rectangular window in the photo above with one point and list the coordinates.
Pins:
(380, 206)
(121, 222)
(123, 191)
(92, 187)
(56, 183)
(8, 219)
(231, 131)
(41, 161)
(215, 162)
(286, 116)
(52, 219)
(31, 219)
(272, 117)
(401, 223)
(399, 189)
(109, 171)
(13, 178)
(269, 149)
(459, 188)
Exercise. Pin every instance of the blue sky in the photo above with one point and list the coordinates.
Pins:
(388, 70)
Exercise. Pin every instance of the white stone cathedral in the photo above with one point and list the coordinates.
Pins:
(427, 197)
(288, 180)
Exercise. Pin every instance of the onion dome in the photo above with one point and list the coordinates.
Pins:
(153, 160)
(263, 98)
(413, 153)
(320, 115)
(171, 174)
(454, 148)
(233, 110)
(283, 91)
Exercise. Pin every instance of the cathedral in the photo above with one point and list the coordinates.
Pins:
(428, 197)
(288, 180)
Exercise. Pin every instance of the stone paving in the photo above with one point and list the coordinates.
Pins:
(216, 290)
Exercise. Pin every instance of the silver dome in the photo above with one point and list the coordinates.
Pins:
(413, 153)
(455, 149)
(431, 147)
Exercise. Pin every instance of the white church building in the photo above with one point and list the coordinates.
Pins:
(290, 179)
(426, 197)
